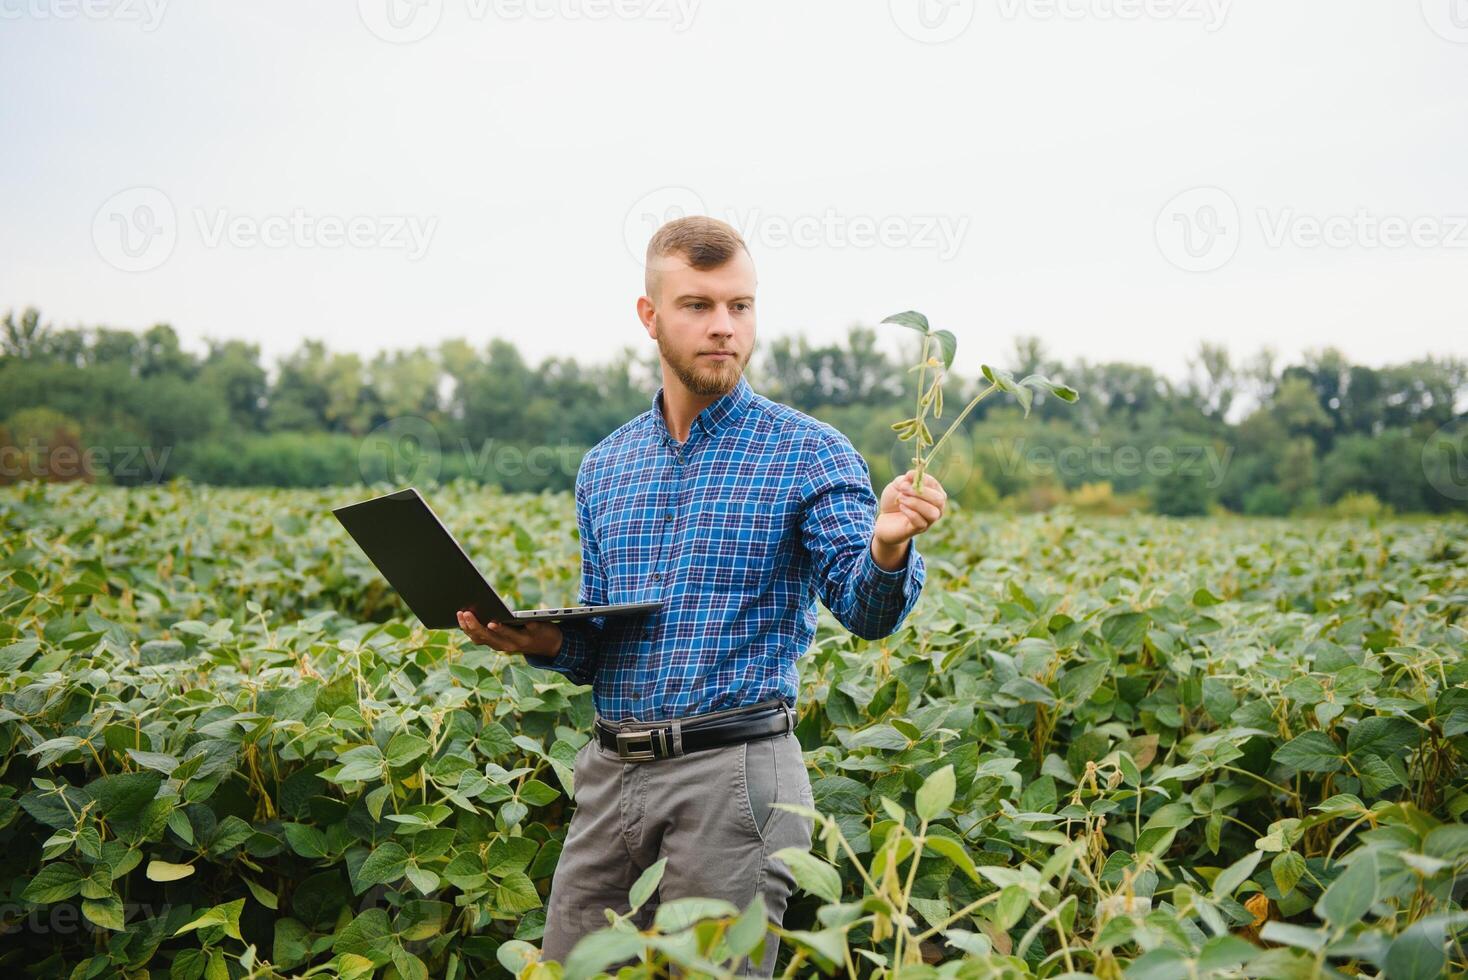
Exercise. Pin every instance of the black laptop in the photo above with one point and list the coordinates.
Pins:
(432, 572)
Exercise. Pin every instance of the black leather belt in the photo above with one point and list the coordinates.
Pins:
(644, 741)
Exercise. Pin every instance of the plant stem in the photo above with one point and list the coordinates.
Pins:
(918, 482)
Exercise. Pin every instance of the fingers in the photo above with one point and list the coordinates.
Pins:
(927, 508)
(919, 522)
(497, 636)
(931, 487)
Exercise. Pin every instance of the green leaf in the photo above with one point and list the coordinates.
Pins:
(226, 916)
(935, 796)
(106, 912)
(409, 967)
(1125, 630)
(1039, 382)
(1381, 736)
(747, 931)
(1287, 868)
(1310, 752)
(384, 865)
(305, 840)
(593, 953)
(1417, 952)
(953, 851)
(647, 883)
(1231, 877)
(366, 935)
(911, 319)
(811, 873)
(405, 749)
(678, 914)
(54, 883)
(1351, 894)
(948, 346)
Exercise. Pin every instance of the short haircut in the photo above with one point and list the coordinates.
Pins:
(701, 241)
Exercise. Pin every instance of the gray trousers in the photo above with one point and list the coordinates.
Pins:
(708, 812)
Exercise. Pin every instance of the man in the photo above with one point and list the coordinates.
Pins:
(736, 512)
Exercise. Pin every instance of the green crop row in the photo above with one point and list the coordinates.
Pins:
(1098, 746)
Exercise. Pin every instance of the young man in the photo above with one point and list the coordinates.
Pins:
(735, 511)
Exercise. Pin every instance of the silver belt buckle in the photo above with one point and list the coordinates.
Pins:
(636, 754)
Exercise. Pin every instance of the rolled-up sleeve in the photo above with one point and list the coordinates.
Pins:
(838, 515)
(581, 639)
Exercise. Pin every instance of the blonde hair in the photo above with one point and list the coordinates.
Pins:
(703, 242)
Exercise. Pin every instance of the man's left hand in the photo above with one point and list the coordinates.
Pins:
(903, 514)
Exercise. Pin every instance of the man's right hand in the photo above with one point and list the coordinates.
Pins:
(535, 638)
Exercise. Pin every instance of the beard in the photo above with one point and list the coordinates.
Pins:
(717, 378)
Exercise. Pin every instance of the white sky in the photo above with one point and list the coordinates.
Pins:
(533, 143)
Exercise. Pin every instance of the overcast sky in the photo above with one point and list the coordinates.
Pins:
(1123, 178)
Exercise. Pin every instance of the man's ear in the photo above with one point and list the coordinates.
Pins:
(647, 313)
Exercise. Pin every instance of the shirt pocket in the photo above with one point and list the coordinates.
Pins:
(734, 543)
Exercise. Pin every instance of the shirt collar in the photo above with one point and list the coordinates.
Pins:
(724, 410)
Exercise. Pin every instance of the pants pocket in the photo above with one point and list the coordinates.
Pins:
(761, 782)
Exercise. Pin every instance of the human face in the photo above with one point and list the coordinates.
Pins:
(703, 322)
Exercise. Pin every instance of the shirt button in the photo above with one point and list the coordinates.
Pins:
(668, 517)
(657, 575)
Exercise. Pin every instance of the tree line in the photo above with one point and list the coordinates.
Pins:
(1251, 436)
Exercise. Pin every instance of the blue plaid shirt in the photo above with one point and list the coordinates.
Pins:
(736, 530)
